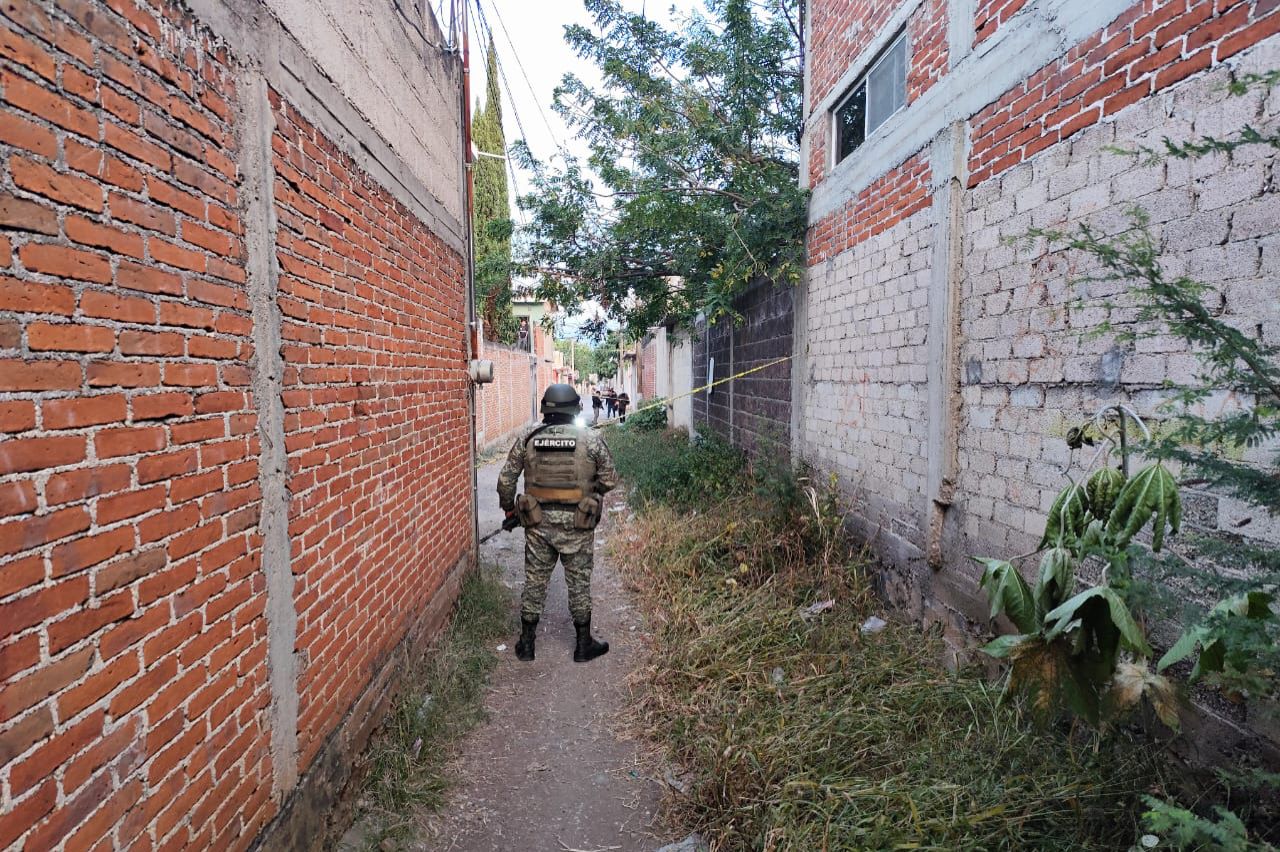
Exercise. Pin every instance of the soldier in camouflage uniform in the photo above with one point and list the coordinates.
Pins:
(567, 470)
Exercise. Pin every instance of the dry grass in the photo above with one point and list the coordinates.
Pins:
(800, 733)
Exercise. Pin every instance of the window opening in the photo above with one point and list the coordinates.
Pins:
(875, 96)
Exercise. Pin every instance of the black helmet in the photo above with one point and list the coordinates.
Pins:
(561, 399)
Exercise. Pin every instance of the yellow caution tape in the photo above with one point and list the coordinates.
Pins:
(667, 401)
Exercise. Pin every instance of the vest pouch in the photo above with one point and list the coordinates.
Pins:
(529, 510)
(587, 515)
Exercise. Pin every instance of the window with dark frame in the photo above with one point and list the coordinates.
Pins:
(877, 94)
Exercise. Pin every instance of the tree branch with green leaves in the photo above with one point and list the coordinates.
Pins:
(690, 190)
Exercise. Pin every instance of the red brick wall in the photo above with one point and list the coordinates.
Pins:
(376, 416)
(1150, 47)
(544, 346)
(839, 32)
(990, 14)
(842, 31)
(819, 150)
(505, 404)
(880, 206)
(649, 369)
(133, 683)
(927, 42)
(131, 633)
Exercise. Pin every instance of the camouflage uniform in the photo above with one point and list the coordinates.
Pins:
(556, 537)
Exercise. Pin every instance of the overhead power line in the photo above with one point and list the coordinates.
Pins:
(481, 22)
(520, 64)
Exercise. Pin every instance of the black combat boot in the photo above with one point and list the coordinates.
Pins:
(528, 633)
(587, 648)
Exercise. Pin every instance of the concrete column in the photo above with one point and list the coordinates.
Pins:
(947, 160)
(535, 398)
(799, 364)
(960, 16)
(257, 123)
(805, 147)
(682, 379)
(662, 363)
(732, 369)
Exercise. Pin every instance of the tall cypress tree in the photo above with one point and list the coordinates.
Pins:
(491, 219)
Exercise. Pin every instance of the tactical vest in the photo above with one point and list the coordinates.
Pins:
(557, 468)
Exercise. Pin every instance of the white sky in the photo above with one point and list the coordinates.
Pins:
(535, 29)
(536, 32)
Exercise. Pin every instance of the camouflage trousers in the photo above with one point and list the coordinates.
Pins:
(543, 545)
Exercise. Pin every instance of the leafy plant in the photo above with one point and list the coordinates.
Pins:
(1084, 651)
(651, 417)
(1010, 595)
(1057, 578)
(1152, 495)
(1185, 829)
(1233, 640)
(1235, 643)
(1102, 491)
(1132, 682)
(1068, 517)
(671, 468)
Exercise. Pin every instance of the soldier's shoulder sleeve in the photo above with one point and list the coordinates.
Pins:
(606, 473)
(509, 476)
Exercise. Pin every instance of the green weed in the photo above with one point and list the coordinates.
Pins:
(651, 416)
(667, 467)
(442, 701)
(798, 732)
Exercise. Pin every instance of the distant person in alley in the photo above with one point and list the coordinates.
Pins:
(567, 471)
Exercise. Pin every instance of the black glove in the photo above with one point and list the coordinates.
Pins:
(510, 522)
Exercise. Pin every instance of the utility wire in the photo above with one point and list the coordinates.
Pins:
(450, 31)
(520, 64)
(412, 24)
(515, 188)
(502, 74)
(502, 79)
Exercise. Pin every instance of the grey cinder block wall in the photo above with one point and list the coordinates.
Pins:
(937, 365)
(753, 411)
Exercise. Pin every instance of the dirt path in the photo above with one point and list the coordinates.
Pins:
(549, 770)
